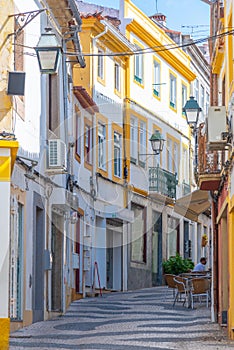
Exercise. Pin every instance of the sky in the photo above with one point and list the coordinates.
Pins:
(193, 15)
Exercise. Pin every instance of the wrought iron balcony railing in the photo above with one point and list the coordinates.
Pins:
(162, 181)
(208, 161)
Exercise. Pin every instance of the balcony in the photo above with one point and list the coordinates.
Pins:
(209, 164)
(162, 182)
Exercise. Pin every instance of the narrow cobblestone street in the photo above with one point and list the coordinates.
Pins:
(143, 319)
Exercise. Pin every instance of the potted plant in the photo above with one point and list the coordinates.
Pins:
(204, 240)
(176, 265)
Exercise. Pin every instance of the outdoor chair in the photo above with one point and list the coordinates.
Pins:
(169, 279)
(200, 287)
(182, 289)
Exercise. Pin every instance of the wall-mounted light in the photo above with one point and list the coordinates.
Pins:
(49, 52)
(157, 142)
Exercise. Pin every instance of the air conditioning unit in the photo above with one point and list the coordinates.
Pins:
(216, 127)
(57, 155)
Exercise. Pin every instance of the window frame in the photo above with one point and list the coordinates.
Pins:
(185, 164)
(184, 96)
(117, 78)
(101, 65)
(103, 166)
(88, 144)
(134, 139)
(173, 91)
(78, 133)
(142, 256)
(171, 155)
(142, 141)
(139, 65)
(156, 78)
(196, 89)
(116, 129)
(138, 143)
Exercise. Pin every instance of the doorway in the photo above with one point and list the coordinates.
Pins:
(157, 249)
(114, 253)
(57, 262)
(37, 280)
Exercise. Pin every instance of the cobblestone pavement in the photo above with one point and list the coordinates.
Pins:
(138, 320)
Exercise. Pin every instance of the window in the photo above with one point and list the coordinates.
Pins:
(176, 157)
(172, 91)
(172, 155)
(173, 237)
(138, 142)
(156, 79)
(138, 245)
(207, 102)
(117, 154)
(138, 66)
(117, 77)
(101, 64)
(196, 90)
(101, 146)
(142, 141)
(169, 156)
(88, 144)
(202, 102)
(134, 139)
(184, 96)
(185, 166)
(78, 133)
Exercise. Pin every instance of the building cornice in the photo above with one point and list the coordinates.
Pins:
(180, 65)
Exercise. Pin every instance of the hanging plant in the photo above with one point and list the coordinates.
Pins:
(204, 240)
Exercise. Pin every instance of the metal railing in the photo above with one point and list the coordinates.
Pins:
(162, 181)
(208, 161)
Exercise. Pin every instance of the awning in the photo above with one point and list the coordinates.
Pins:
(193, 204)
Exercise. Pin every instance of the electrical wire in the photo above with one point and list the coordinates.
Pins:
(152, 49)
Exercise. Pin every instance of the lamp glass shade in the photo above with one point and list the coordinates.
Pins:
(192, 110)
(48, 60)
(48, 52)
(157, 142)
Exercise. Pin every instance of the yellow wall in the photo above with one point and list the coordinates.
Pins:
(6, 61)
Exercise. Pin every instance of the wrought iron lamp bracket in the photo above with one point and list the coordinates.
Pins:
(23, 19)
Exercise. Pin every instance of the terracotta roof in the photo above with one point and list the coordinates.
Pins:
(85, 99)
(95, 14)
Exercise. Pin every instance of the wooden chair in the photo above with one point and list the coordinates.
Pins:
(182, 289)
(200, 287)
(169, 279)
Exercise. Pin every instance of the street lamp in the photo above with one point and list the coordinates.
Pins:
(48, 52)
(157, 142)
(192, 110)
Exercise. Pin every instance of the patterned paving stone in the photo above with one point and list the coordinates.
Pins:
(137, 320)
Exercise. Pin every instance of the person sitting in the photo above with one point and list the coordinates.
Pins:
(200, 267)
